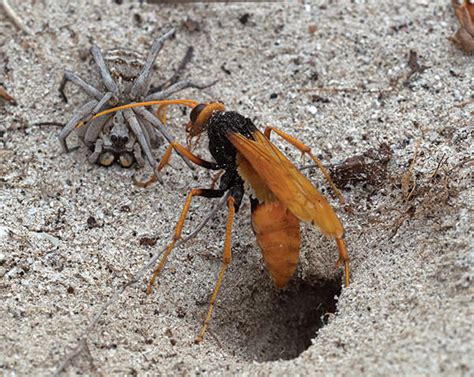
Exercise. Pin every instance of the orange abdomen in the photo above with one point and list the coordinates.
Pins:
(278, 235)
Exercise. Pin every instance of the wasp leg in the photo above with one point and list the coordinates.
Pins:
(306, 150)
(141, 84)
(192, 157)
(179, 228)
(343, 258)
(166, 158)
(154, 178)
(226, 259)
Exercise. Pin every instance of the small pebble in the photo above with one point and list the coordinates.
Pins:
(312, 109)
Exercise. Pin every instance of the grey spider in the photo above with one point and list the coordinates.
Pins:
(126, 135)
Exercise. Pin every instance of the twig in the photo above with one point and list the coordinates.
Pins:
(441, 162)
(120, 290)
(52, 123)
(14, 17)
(464, 103)
(332, 89)
(407, 177)
(414, 66)
(178, 73)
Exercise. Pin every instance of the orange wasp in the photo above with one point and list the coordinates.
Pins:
(281, 196)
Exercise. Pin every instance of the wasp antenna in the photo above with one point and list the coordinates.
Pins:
(183, 102)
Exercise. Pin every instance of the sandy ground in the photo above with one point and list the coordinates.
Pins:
(70, 231)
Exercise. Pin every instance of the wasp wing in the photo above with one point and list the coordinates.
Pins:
(285, 181)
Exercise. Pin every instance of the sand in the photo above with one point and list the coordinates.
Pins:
(71, 232)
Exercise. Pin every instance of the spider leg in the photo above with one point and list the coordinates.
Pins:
(105, 98)
(148, 116)
(94, 128)
(75, 79)
(94, 156)
(179, 229)
(144, 131)
(226, 259)
(137, 153)
(103, 101)
(155, 139)
(78, 115)
(142, 83)
(104, 71)
(138, 132)
(176, 87)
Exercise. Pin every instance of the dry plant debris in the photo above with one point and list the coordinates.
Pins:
(394, 84)
(464, 37)
(370, 167)
(5, 96)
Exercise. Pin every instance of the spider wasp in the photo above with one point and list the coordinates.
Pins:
(281, 196)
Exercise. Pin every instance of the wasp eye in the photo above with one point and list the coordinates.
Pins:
(196, 111)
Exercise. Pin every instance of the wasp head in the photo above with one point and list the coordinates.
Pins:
(199, 119)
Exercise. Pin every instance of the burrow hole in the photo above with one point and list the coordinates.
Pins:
(272, 325)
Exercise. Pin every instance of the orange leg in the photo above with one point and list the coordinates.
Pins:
(225, 263)
(343, 258)
(167, 157)
(193, 158)
(179, 228)
(306, 150)
(154, 178)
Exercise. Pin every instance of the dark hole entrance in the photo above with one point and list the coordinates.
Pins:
(280, 325)
(300, 312)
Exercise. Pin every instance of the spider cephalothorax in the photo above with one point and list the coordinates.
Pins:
(129, 135)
